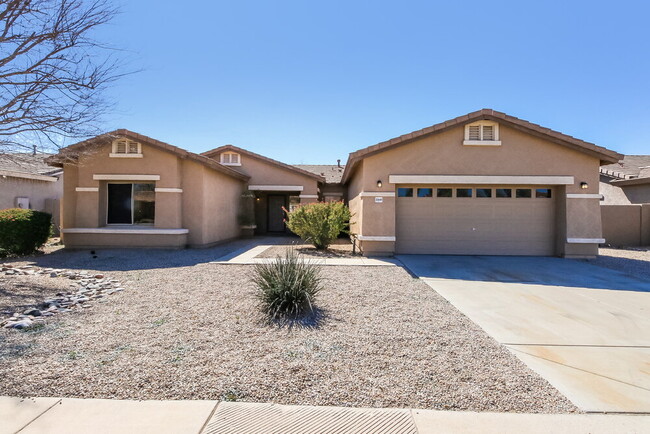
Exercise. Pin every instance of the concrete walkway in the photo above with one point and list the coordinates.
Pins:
(101, 416)
(247, 256)
(584, 328)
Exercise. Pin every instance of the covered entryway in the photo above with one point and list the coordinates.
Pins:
(475, 220)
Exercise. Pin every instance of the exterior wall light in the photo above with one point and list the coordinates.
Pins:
(584, 185)
(379, 184)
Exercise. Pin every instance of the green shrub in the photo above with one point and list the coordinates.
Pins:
(287, 286)
(319, 223)
(23, 231)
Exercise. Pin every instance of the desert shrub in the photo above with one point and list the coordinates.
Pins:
(23, 231)
(319, 223)
(287, 286)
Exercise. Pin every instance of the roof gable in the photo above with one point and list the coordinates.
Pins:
(230, 148)
(70, 154)
(605, 155)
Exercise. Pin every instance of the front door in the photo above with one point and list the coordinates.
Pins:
(276, 213)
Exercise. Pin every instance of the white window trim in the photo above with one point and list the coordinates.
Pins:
(584, 196)
(482, 179)
(261, 187)
(223, 162)
(112, 155)
(115, 154)
(377, 194)
(168, 190)
(585, 240)
(375, 238)
(88, 189)
(308, 196)
(121, 177)
(117, 230)
(495, 142)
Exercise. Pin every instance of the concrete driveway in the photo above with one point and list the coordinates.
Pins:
(586, 329)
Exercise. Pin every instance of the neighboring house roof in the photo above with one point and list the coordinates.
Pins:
(71, 153)
(28, 166)
(605, 155)
(332, 173)
(630, 167)
(213, 152)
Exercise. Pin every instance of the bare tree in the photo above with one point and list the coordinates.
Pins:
(52, 72)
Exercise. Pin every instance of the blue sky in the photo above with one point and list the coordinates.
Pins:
(309, 82)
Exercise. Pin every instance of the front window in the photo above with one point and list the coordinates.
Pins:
(131, 204)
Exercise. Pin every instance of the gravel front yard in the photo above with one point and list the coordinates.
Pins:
(187, 329)
(634, 261)
(340, 249)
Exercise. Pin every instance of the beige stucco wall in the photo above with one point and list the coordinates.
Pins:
(638, 193)
(37, 192)
(41, 194)
(626, 225)
(265, 173)
(221, 196)
(354, 200)
(207, 205)
(445, 154)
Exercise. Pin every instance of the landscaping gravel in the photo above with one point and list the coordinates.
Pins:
(337, 250)
(634, 261)
(188, 329)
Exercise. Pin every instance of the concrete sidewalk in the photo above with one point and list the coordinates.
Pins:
(102, 416)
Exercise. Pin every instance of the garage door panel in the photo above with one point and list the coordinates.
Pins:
(483, 226)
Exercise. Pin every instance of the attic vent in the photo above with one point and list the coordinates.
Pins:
(482, 133)
(474, 132)
(488, 132)
(126, 148)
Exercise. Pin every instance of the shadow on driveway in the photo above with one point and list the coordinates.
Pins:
(522, 269)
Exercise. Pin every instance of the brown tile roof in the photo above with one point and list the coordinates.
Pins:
(605, 155)
(214, 152)
(332, 173)
(71, 153)
(33, 164)
(631, 166)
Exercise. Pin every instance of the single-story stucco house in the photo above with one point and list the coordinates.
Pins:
(27, 181)
(483, 183)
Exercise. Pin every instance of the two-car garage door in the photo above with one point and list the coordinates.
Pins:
(475, 220)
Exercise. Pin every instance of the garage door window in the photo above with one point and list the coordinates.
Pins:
(524, 193)
(444, 192)
(404, 192)
(483, 192)
(504, 192)
(463, 192)
(543, 192)
(425, 192)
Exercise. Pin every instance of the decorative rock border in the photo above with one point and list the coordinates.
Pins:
(87, 289)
